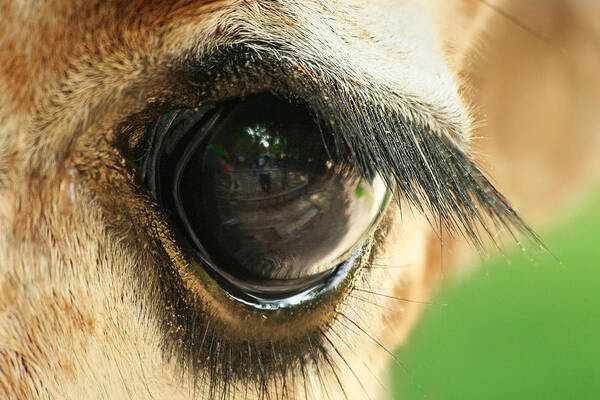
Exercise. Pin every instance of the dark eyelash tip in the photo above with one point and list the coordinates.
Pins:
(428, 170)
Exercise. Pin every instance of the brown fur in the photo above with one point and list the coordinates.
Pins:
(87, 263)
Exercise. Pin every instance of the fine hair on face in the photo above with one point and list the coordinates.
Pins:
(255, 199)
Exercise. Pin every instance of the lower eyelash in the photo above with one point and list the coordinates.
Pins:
(274, 369)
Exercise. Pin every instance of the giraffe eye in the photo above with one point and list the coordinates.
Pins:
(261, 197)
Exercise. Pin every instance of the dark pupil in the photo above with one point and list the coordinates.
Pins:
(256, 190)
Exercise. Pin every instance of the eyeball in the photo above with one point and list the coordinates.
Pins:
(261, 195)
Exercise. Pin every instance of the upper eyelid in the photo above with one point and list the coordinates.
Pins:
(256, 67)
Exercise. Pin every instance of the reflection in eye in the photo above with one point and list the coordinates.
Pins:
(257, 193)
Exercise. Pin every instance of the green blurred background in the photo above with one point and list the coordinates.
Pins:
(517, 330)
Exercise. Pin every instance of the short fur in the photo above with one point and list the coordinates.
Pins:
(97, 300)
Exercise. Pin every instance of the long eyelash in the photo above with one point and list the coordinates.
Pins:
(428, 168)
(380, 131)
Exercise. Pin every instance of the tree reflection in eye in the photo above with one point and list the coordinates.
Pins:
(264, 196)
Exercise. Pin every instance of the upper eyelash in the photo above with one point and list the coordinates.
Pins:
(429, 170)
(428, 166)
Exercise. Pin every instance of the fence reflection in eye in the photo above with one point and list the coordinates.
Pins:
(263, 198)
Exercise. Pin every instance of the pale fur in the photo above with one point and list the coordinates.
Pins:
(73, 323)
